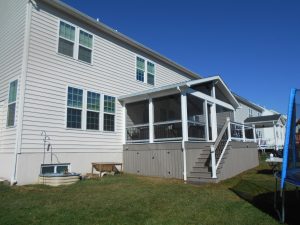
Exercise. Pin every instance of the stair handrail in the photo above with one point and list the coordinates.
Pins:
(213, 147)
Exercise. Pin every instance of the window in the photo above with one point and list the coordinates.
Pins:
(74, 111)
(150, 73)
(140, 69)
(109, 113)
(93, 111)
(66, 39)
(250, 112)
(85, 46)
(72, 39)
(12, 99)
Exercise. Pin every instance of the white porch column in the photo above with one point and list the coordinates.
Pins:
(214, 128)
(151, 121)
(254, 133)
(206, 121)
(243, 132)
(185, 135)
(124, 123)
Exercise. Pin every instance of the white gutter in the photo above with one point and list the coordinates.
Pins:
(17, 151)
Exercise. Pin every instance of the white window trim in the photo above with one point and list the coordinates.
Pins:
(10, 103)
(145, 70)
(76, 42)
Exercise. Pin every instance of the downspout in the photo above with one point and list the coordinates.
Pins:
(20, 108)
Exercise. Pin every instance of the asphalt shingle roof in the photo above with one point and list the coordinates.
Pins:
(262, 118)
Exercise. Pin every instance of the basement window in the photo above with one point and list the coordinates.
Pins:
(12, 100)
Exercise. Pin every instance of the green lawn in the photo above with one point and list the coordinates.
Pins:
(126, 199)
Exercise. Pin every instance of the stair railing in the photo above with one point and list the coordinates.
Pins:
(218, 149)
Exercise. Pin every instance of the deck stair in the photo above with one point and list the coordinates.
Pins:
(209, 164)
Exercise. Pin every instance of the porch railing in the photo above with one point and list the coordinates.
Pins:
(169, 130)
(230, 131)
(137, 133)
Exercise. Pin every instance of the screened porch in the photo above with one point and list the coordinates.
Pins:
(190, 111)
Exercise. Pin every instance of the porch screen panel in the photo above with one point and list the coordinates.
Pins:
(222, 114)
(196, 118)
(137, 121)
(167, 117)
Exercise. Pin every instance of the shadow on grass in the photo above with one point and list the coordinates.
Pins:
(263, 199)
(265, 171)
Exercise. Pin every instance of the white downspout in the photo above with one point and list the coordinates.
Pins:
(20, 108)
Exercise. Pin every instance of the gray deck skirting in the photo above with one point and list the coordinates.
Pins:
(166, 159)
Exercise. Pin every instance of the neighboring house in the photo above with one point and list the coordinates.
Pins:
(270, 130)
(96, 92)
(269, 124)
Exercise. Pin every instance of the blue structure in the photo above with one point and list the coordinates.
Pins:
(290, 173)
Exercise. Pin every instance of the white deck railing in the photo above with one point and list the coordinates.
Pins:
(231, 131)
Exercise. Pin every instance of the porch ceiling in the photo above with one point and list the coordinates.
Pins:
(177, 88)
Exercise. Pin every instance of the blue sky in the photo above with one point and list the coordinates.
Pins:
(253, 44)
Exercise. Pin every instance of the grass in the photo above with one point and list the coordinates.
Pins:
(127, 199)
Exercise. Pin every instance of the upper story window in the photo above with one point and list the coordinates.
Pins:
(74, 108)
(109, 113)
(12, 100)
(250, 112)
(66, 39)
(85, 46)
(75, 42)
(142, 67)
(150, 73)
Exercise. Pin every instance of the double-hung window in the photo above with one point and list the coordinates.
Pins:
(12, 99)
(85, 46)
(145, 71)
(74, 108)
(93, 111)
(75, 42)
(150, 73)
(140, 69)
(66, 39)
(109, 113)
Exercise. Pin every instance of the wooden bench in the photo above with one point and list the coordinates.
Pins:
(108, 167)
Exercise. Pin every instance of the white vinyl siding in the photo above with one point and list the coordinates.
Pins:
(243, 113)
(111, 73)
(12, 30)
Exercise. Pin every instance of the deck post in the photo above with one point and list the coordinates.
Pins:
(213, 161)
(214, 124)
(185, 135)
(229, 129)
(124, 123)
(151, 121)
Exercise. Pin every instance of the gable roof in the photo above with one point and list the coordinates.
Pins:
(178, 86)
(119, 36)
(259, 119)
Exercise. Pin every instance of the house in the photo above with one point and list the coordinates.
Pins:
(269, 124)
(102, 97)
